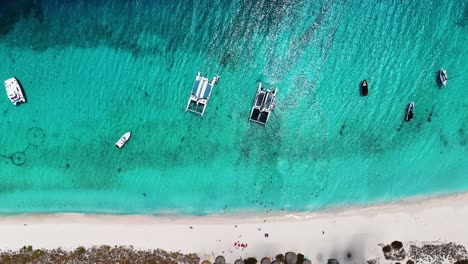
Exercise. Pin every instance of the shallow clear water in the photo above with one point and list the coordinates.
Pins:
(93, 70)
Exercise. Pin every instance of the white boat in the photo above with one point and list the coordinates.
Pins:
(14, 91)
(443, 77)
(123, 140)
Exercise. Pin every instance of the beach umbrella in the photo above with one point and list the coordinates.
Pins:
(265, 260)
(291, 258)
(220, 260)
(239, 261)
(307, 261)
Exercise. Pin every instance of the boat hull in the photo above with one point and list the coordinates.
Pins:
(364, 88)
(123, 140)
(443, 77)
(409, 112)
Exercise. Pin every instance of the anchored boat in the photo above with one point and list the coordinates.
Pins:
(364, 88)
(123, 140)
(409, 112)
(14, 91)
(264, 104)
(201, 92)
(443, 77)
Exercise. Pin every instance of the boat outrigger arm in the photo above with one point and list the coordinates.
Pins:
(201, 92)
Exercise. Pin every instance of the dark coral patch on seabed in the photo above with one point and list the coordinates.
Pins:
(12, 11)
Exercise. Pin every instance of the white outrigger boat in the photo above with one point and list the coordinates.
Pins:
(443, 77)
(14, 91)
(123, 140)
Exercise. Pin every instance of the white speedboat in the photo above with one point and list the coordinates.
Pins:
(443, 77)
(123, 140)
(14, 91)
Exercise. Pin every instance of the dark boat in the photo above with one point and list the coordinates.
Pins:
(443, 77)
(364, 88)
(409, 112)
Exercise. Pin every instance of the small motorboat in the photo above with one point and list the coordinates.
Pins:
(14, 91)
(443, 77)
(364, 88)
(409, 112)
(123, 140)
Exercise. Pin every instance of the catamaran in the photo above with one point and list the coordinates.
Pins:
(263, 105)
(14, 91)
(123, 140)
(200, 95)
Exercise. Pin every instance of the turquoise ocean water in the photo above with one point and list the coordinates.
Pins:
(93, 70)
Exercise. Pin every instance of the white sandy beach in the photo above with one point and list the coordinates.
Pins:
(319, 236)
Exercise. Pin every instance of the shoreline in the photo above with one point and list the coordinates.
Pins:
(243, 213)
(328, 233)
(247, 214)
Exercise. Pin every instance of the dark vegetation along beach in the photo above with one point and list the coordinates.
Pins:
(396, 252)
